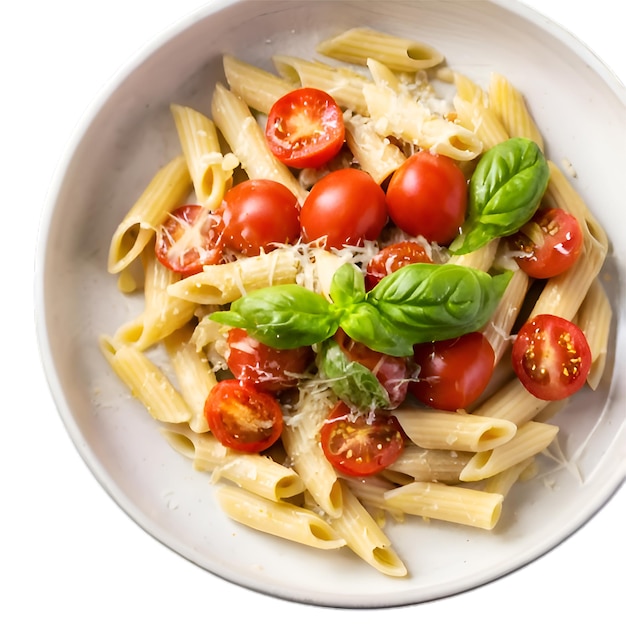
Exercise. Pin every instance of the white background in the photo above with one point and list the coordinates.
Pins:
(68, 553)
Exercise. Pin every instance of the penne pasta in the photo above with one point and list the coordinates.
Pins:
(364, 537)
(278, 518)
(594, 318)
(247, 141)
(357, 45)
(448, 503)
(146, 381)
(211, 171)
(163, 313)
(256, 87)
(449, 430)
(531, 439)
(221, 284)
(397, 113)
(511, 108)
(169, 187)
(256, 473)
(194, 375)
(441, 466)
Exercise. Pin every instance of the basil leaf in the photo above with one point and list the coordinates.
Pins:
(365, 323)
(504, 193)
(429, 302)
(347, 285)
(351, 381)
(282, 316)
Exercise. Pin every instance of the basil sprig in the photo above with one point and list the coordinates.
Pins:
(504, 192)
(351, 381)
(417, 303)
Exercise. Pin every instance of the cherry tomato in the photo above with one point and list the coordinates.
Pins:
(551, 357)
(305, 128)
(268, 368)
(259, 214)
(361, 445)
(242, 417)
(453, 372)
(550, 243)
(188, 239)
(392, 258)
(427, 195)
(346, 206)
(392, 372)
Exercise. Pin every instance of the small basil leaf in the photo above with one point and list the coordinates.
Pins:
(347, 285)
(429, 302)
(365, 323)
(504, 193)
(351, 381)
(282, 316)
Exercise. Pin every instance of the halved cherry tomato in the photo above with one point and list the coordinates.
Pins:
(392, 258)
(242, 417)
(258, 214)
(551, 357)
(189, 239)
(427, 195)
(346, 206)
(361, 445)
(392, 372)
(548, 244)
(453, 372)
(305, 128)
(268, 368)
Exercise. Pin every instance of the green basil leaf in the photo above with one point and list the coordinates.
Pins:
(429, 302)
(282, 316)
(504, 193)
(365, 323)
(351, 381)
(347, 285)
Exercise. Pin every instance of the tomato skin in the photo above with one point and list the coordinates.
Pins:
(346, 206)
(392, 258)
(453, 372)
(305, 128)
(361, 445)
(392, 372)
(551, 357)
(551, 243)
(258, 214)
(267, 368)
(427, 195)
(242, 417)
(188, 239)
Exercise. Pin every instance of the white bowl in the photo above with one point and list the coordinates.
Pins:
(580, 108)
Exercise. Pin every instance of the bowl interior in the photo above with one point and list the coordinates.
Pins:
(129, 133)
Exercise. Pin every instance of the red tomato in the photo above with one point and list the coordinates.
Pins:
(305, 128)
(427, 195)
(551, 357)
(392, 372)
(453, 372)
(346, 206)
(268, 368)
(361, 445)
(188, 239)
(242, 417)
(259, 214)
(392, 258)
(550, 243)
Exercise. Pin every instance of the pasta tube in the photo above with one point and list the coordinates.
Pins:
(448, 503)
(278, 518)
(256, 473)
(169, 187)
